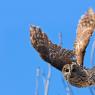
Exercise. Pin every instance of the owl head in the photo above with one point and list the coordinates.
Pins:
(68, 69)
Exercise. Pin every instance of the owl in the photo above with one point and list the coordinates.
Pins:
(69, 62)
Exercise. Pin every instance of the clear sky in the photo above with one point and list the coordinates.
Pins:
(19, 60)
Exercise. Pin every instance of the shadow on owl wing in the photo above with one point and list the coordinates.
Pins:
(51, 53)
(85, 30)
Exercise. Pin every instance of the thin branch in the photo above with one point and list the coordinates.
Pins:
(46, 86)
(67, 88)
(60, 39)
(92, 89)
(37, 76)
(70, 89)
(92, 53)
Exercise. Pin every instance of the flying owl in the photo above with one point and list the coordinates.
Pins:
(69, 62)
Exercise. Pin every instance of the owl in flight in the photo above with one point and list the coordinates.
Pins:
(70, 62)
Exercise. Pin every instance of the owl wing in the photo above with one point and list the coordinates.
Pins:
(85, 29)
(51, 53)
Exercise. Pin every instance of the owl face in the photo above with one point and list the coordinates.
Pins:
(67, 70)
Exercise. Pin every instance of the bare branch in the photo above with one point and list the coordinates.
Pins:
(92, 89)
(46, 86)
(60, 39)
(37, 76)
(92, 53)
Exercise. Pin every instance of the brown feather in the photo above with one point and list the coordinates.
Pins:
(51, 53)
(85, 30)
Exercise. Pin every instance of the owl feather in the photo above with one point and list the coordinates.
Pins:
(85, 30)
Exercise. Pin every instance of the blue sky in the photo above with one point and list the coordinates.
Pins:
(18, 59)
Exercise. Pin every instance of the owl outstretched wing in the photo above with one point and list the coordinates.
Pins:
(85, 29)
(51, 53)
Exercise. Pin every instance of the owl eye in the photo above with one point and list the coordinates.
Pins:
(67, 70)
(73, 70)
